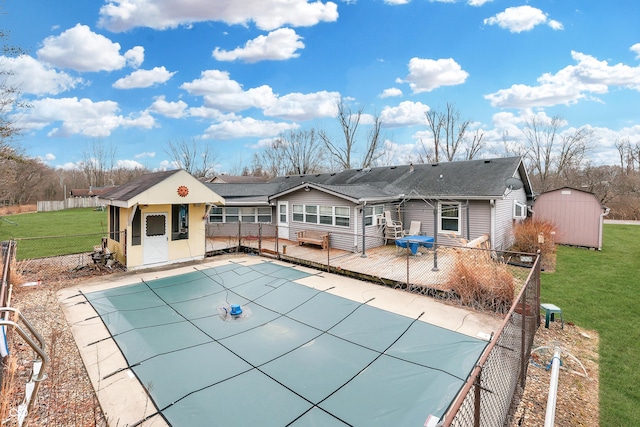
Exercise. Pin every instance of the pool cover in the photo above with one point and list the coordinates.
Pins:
(295, 356)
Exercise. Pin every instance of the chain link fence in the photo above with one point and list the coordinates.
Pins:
(505, 283)
(502, 282)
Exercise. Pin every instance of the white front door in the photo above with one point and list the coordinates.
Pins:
(283, 220)
(155, 244)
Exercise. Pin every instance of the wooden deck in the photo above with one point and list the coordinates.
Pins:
(384, 264)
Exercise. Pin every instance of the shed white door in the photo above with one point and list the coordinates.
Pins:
(283, 220)
(155, 244)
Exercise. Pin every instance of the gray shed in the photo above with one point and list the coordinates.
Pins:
(577, 214)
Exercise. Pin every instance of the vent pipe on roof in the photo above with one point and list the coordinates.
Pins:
(410, 167)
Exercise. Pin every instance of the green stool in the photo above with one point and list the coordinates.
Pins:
(550, 310)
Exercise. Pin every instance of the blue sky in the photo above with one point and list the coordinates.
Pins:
(139, 74)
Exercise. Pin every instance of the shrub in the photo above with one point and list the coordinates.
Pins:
(480, 281)
(533, 234)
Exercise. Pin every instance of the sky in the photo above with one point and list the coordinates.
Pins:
(137, 75)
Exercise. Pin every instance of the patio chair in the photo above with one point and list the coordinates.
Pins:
(392, 228)
(414, 229)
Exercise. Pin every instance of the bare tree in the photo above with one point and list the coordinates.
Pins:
(374, 144)
(293, 152)
(550, 154)
(98, 161)
(196, 158)
(449, 136)
(349, 121)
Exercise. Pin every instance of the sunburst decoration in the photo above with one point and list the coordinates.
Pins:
(183, 191)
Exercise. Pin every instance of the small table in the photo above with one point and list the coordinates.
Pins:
(550, 310)
(414, 242)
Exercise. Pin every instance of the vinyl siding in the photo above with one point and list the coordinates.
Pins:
(339, 237)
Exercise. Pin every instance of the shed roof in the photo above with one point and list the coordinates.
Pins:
(153, 189)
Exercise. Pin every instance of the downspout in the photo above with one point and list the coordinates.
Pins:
(364, 250)
(493, 224)
(602, 215)
(468, 223)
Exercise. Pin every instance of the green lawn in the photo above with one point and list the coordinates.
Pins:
(82, 228)
(601, 291)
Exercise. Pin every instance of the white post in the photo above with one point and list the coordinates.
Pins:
(549, 419)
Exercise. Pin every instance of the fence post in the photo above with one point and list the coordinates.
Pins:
(328, 253)
(260, 239)
(407, 256)
(477, 389)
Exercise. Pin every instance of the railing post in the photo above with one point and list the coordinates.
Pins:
(328, 253)
(259, 239)
(477, 389)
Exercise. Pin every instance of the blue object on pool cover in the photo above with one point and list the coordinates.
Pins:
(303, 357)
(413, 242)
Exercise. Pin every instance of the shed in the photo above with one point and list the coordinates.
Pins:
(158, 218)
(578, 216)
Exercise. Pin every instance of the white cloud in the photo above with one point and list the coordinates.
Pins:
(300, 106)
(247, 127)
(174, 110)
(81, 49)
(397, 2)
(222, 94)
(478, 3)
(79, 116)
(278, 45)
(129, 164)
(521, 18)
(407, 113)
(123, 15)
(146, 154)
(144, 78)
(569, 85)
(426, 75)
(392, 91)
(33, 77)
(636, 49)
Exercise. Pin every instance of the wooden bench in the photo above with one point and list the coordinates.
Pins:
(313, 237)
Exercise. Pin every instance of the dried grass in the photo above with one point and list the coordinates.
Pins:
(533, 234)
(481, 282)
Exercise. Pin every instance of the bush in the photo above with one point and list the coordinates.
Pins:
(532, 235)
(482, 282)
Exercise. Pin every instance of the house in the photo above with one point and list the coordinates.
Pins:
(88, 192)
(452, 200)
(578, 216)
(236, 179)
(158, 218)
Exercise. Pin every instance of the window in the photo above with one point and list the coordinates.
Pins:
(114, 223)
(519, 210)
(136, 228)
(371, 212)
(298, 213)
(283, 214)
(450, 218)
(179, 222)
(155, 225)
(342, 216)
(234, 214)
(325, 215)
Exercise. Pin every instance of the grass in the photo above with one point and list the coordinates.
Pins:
(601, 290)
(76, 230)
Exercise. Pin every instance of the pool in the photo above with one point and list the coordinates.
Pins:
(296, 355)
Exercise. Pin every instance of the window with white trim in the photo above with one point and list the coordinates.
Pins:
(326, 215)
(371, 212)
(519, 210)
(234, 214)
(449, 218)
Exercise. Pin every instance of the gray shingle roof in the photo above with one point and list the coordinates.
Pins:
(136, 186)
(467, 179)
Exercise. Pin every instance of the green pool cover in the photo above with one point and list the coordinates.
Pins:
(294, 356)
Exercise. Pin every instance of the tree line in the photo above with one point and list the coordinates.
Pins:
(554, 157)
